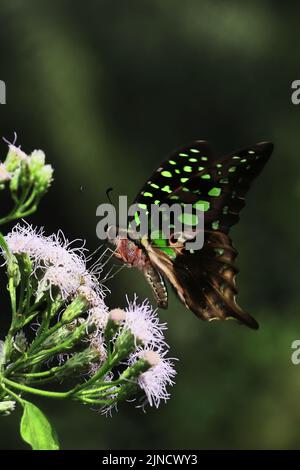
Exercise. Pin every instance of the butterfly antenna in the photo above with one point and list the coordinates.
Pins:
(107, 194)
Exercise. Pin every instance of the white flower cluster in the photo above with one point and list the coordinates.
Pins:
(148, 332)
(56, 263)
(41, 174)
(60, 264)
(143, 322)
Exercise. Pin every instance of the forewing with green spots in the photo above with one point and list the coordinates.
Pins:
(181, 166)
(194, 175)
(171, 177)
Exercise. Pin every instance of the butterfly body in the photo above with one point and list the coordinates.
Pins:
(203, 279)
(130, 253)
(135, 255)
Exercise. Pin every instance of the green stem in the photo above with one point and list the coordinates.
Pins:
(28, 212)
(36, 375)
(11, 215)
(28, 320)
(32, 359)
(22, 361)
(18, 214)
(13, 298)
(42, 336)
(8, 345)
(29, 201)
(21, 295)
(103, 394)
(32, 313)
(104, 386)
(36, 391)
(14, 395)
(104, 369)
(97, 402)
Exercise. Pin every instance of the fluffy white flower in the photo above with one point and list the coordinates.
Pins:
(99, 316)
(144, 324)
(25, 239)
(155, 380)
(56, 262)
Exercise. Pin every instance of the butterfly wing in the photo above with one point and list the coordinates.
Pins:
(205, 279)
(168, 182)
(194, 175)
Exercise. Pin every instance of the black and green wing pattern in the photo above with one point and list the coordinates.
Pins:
(205, 279)
(194, 175)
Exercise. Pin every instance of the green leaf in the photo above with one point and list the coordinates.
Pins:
(36, 430)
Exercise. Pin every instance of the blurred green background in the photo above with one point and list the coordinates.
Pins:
(107, 89)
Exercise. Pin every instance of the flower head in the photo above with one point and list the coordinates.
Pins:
(7, 407)
(56, 263)
(99, 317)
(41, 174)
(14, 157)
(27, 173)
(155, 380)
(143, 322)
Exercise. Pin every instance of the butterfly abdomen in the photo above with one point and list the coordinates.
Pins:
(157, 284)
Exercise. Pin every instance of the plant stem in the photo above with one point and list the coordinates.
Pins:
(36, 375)
(14, 395)
(97, 402)
(36, 391)
(102, 387)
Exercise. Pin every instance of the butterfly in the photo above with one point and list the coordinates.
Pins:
(204, 280)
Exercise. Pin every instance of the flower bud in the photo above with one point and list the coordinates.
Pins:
(45, 178)
(79, 305)
(15, 180)
(13, 270)
(20, 342)
(24, 179)
(133, 372)
(36, 161)
(80, 361)
(130, 376)
(25, 264)
(124, 345)
(115, 319)
(152, 358)
(73, 331)
(6, 407)
(56, 338)
(14, 158)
